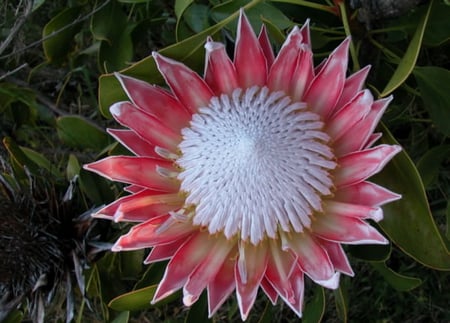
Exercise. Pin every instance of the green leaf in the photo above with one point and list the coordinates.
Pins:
(399, 282)
(135, 300)
(40, 160)
(77, 132)
(189, 51)
(408, 61)
(341, 299)
(430, 163)
(315, 308)
(59, 34)
(18, 155)
(123, 317)
(408, 222)
(433, 84)
(73, 167)
(181, 6)
(111, 26)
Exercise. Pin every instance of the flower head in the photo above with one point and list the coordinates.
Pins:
(253, 175)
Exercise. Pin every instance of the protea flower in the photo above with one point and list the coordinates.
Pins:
(254, 175)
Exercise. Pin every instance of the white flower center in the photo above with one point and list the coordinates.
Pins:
(254, 162)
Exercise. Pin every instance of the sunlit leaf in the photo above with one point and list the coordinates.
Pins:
(408, 61)
(135, 300)
(408, 222)
(399, 282)
(433, 84)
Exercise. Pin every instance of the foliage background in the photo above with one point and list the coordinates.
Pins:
(55, 91)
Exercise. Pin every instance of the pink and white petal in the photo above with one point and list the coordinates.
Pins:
(353, 84)
(268, 289)
(357, 138)
(345, 229)
(188, 86)
(141, 171)
(372, 140)
(334, 69)
(133, 142)
(136, 189)
(220, 73)
(358, 166)
(140, 207)
(311, 257)
(365, 193)
(306, 35)
(164, 251)
(221, 287)
(297, 282)
(283, 67)
(183, 263)
(249, 271)
(145, 206)
(146, 126)
(160, 230)
(266, 46)
(353, 112)
(249, 58)
(279, 267)
(207, 269)
(155, 101)
(302, 75)
(337, 257)
(358, 211)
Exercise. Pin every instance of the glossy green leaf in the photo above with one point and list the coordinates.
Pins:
(123, 317)
(181, 6)
(135, 300)
(189, 51)
(429, 164)
(399, 282)
(434, 88)
(73, 167)
(408, 222)
(59, 33)
(341, 300)
(111, 26)
(77, 132)
(370, 252)
(315, 308)
(408, 61)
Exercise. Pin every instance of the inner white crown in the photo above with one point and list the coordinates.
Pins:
(253, 163)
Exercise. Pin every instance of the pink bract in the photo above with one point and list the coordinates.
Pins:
(254, 175)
